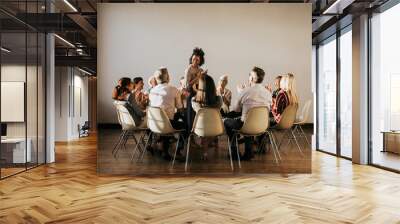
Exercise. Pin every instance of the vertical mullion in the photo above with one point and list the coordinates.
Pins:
(317, 97)
(37, 90)
(338, 98)
(369, 96)
(0, 95)
(26, 86)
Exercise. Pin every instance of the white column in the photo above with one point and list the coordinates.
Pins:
(50, 100)
(360, 90)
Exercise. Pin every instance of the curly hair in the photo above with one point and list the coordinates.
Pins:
(197, 52)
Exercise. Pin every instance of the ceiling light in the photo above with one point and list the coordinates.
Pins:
(335, 4)
(5, 50)
(70, 5)
(84, 71)
(65, 41)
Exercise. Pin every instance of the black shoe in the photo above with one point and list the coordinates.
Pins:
(247, 157)
(234, 155)
(151, 150)
(167, 156)
(241, 140)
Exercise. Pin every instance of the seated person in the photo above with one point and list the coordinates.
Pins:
(167, 97)
(183, 91)
(117, 89)
(141, 98)
(152, 83)
(130, 103)
(277, 85)
(206, 97)
(225, 93)
(285, 97)
(254, 95)
(206, 94)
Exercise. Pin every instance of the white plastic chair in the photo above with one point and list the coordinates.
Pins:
(129, 129)
(256, 124)
(286, 124)
(159, 124)
(207, 123)
(301, 120)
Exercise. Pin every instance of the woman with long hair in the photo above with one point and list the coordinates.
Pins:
(282, 100)
(206, 96)
(291, 89)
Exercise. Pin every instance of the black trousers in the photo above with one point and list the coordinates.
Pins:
(190, 113)
(235, 124)
(166, 139)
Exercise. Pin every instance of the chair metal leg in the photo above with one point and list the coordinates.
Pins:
(237, 149)
(297, 143)
(187, 152)
(176, 149)
(145, 147)
(304, 134)
(274, 151)
(230, 151)
(284, 136)
(137, 146)
(276, 145)
(121, 144)
(118, 142)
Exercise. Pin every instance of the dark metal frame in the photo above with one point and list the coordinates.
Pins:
(389, 4)
(44, 79)
(340, 31)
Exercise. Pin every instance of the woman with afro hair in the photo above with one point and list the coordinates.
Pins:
(192, 75)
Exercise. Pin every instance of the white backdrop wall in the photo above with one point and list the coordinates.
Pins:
(136, 39)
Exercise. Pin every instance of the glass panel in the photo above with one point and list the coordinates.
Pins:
(327, 96)
(41, 98)
(385, 84)
(31, 97)
(13, 86)
(346, 94)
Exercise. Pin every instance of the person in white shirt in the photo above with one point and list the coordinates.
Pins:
(225, 94)
(167, 97)
(254, 95)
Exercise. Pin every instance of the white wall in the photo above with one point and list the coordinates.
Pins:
(67, 114)
(136, 39)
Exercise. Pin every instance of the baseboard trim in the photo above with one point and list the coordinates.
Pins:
(108, 126)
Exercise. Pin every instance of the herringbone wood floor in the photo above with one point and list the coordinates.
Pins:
(70, 191)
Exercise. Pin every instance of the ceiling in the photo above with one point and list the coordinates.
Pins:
(76, 21)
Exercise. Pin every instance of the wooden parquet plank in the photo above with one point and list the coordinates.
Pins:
(70, 191)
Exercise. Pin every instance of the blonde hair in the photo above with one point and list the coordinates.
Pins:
(161, 75)
(290, 88)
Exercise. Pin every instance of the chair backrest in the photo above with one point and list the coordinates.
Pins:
(257, 121)
(158, 121)
(208, 123)
(116, 103)
(305, 112)
(288, 117)
(125, 117)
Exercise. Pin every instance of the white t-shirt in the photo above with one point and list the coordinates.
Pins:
(167, 97)
(253, 96)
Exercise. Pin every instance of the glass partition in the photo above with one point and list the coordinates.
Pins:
(327, 96)
(346, 93)
(385, 89)
(22, 87)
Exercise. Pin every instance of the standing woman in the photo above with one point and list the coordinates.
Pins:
(192, 74)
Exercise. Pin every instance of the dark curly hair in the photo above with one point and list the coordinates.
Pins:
(197, 52)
